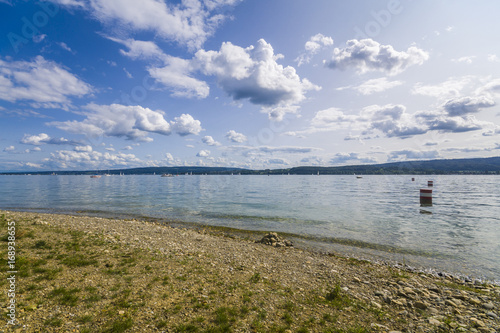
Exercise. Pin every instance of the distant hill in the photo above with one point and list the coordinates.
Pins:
(490, 165)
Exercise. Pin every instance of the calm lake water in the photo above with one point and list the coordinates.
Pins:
(376, 217)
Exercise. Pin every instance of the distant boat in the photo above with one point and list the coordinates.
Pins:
(359, 177)
(167, 175)
(95, 176)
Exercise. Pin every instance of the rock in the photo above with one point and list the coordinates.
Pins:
(476, 322)
(420, 305)
(434, 321)
(376, 305)
(450, 303)
(379, 326)
(492, 315)
(474, 301)
(488, 306)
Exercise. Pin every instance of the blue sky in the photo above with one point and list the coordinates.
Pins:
(105, 84)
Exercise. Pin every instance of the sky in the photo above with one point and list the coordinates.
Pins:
(110, 84)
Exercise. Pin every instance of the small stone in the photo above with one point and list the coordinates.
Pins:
(121, 312)
(434, 321)
(376, 305)
(408, 290)
(476, 322)
(492, 315)
(450, 303)
(474, 301)
(420, 305)
(488, 306)
(379, 326)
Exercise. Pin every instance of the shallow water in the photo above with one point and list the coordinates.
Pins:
(376, 216)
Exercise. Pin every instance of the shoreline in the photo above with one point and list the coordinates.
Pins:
(94, 274)
(406, 259)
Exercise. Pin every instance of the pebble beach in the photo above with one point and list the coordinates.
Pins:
(78, 273)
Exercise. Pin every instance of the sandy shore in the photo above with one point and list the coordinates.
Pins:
(88, 274)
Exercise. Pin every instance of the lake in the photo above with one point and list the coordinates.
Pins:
(375, 217)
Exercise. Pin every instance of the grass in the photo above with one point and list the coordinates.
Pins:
(110, 287)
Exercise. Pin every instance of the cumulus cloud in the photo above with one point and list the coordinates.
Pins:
(44, 138)
(253, 73)
(341, 158)
(410, 154)
(177, 75)
(86, 158)
(390, 119)
(447, 89)
(466, 60)
(138, 49)
(277, 161)
(41, 81)
(185, 125)
(234, 136)
(312, 47)
(210, 141)
(203, 153)
(131, 122)
(368, 55)
(456, 124)
(393, 121)
(465, 105)
(188, 23)
(9, 148)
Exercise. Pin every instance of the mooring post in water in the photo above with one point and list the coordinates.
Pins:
(430, 183)
(413, 179)
(425, 197)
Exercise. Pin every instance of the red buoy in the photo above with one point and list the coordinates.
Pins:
(425, 197)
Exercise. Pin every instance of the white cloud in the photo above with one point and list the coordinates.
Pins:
(493, 58)
(456, 124)
(203, 153)
(9, 148)
(86, 148)
(185, 125)
(188, 23)
(467, 60)
(341, 158)
(65, 47)
(375, 86)
(131, 122)
(312, 47)
(44, 138)
(465, 105)
(177, 75)
(410, 154)
(210, 141)
(41, 81)
(89, 159)
(253, 73)
(127, 73)
(278, 161)
(234, 136)
(138, 49)
(127, 148)
(447, 89)
(368, 55)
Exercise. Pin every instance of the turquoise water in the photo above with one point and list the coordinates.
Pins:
(377, 216)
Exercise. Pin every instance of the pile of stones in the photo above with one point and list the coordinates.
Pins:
(273, 239)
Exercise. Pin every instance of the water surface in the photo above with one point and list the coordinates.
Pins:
(376, 216)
